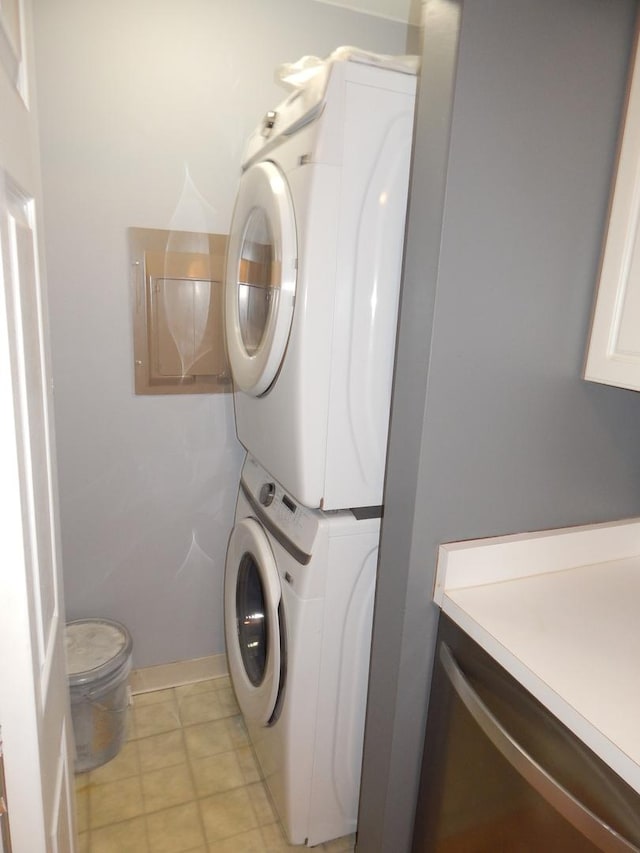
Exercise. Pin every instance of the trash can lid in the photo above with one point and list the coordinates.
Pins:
(95, 648)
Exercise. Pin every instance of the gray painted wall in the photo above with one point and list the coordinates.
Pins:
(493, 430)
(144, 110)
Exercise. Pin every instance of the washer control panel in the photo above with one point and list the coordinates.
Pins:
(298, 523)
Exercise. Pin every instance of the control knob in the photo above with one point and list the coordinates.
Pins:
(267, 494)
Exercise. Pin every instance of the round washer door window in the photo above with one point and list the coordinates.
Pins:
(260, 281)
(253, 626)
(252, 630)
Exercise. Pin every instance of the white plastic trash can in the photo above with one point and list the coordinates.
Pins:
(98, 666)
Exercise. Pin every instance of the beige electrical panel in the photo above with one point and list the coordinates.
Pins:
(178, 313)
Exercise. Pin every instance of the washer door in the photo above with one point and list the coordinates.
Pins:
(251, 620)
(261, 278)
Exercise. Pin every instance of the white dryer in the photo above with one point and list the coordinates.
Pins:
(299, 588)
(312, 282)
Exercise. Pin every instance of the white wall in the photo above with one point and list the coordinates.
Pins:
(144, 108)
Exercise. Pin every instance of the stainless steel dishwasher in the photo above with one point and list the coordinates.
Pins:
(501, 774)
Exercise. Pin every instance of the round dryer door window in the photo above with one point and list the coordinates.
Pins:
(252, 620)
(261, 278)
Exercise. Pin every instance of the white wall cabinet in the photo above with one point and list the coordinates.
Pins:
(614, 348)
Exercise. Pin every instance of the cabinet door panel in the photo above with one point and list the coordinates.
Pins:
(614, 348)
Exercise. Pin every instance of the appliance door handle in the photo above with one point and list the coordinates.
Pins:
(575, 812)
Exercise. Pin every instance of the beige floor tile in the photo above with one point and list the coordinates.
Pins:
(201, 708)
(185, 690)
(157, 812)
(228, 701)
(217, 773)
(115, 801)
(168, 787)
(130, 726)
(275, 841)
(227, 814)
(153, 697)
(205, 739)
(237, 731)
(82, 809)
(156, 719)
(246, 842)
(248, 765)
(130, 836)
(83, 843)
(346, 844)
(160, 751)
(261, 804)
(124, 765)
(175, 830)
(81, 781)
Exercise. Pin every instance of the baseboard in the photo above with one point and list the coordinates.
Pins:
(179, 672)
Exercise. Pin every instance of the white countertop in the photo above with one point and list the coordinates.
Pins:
(560, 611)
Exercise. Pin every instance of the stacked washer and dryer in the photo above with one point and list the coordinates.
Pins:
(313, 273)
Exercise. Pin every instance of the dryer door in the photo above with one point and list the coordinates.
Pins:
(261, 278)
(251, 618)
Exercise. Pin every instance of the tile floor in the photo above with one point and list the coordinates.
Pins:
(186, 781)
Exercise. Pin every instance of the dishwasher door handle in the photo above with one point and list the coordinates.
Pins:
(575, 812)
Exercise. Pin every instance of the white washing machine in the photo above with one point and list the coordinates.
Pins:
(299, 588)
(312, 282)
